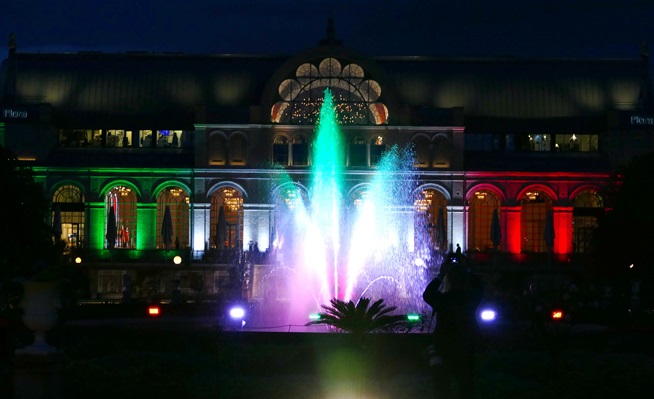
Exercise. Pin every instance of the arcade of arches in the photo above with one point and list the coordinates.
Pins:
(522, 227)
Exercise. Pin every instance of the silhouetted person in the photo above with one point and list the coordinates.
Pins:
(176, 295)
(454, 295)
(175, 140)
(458, 249)
(255, 251)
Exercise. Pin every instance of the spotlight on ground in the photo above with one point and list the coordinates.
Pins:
(488, 315)
(237, 313)
(78, 260)
(413, 317)
(177, 260)
(557, 314)
(154, 311)
(237, 316)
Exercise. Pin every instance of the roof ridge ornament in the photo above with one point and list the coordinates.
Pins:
(330, 40)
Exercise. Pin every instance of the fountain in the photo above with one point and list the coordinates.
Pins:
(332, 247)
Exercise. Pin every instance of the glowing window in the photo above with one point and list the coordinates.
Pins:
(69, 201)
(588, 209)
(533, 213)
(360, 198)
(292, 196)
(231, 201)
(481, 207)
(431, 214)
(121, 224)
(576, 142)
(177, 199)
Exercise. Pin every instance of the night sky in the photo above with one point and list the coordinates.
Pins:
(521, 28)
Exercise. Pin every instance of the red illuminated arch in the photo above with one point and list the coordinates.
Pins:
(537, 187)
(486, 186)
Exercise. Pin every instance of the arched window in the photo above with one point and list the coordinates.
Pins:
(237, 150)
(177, 199)
(422, 148)
(300, 149)
(588, 207)
(534, 207)
(480, 218)
(431, 216)
(359, 198)
(356, 96)
(217, 150)
(69, 201)
(122, 201)
(231, 200)
(358, 152)
(280, 150)
(442, 150)
(290, 200)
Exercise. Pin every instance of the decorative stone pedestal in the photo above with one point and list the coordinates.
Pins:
(38, 374)
(38, 367)
(41, 302)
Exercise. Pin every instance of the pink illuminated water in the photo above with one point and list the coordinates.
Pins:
(338, 242)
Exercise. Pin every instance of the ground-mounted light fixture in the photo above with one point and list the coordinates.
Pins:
(413, 317)
(488, 315)
(237, 314)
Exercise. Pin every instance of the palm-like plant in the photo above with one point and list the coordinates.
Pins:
(359, 318)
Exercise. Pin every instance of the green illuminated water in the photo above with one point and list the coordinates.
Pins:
(325, 191)
(335, 249)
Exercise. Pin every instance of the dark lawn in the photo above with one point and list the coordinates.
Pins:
(185, 361)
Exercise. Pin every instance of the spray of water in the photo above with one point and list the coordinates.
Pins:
(344, 250)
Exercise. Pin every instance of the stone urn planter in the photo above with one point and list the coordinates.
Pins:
(41, 302)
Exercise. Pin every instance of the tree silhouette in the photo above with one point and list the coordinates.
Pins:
(27, 242)
(625, 235)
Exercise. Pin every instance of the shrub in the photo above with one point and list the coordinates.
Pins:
(359, 318)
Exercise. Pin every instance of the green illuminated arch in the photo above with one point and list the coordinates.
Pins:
(170, 184)
(62, 183)
(107, 187)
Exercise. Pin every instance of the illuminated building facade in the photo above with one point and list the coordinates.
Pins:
(207, 135)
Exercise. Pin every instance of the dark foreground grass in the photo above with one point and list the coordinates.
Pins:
(186, 362)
